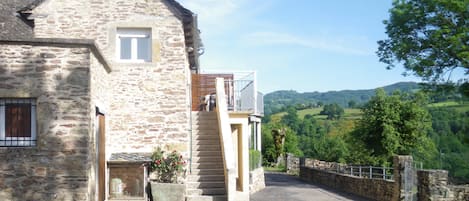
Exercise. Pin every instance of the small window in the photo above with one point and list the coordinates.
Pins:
(133, 45)
(17, 122)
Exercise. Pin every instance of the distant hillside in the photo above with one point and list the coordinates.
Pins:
(275, 101)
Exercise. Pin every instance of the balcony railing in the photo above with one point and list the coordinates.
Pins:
(240, 89)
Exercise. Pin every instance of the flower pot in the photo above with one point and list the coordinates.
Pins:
(168, 191)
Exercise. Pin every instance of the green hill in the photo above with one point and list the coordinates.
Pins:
(275, 101)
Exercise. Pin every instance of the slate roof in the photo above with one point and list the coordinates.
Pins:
(12, 24)
(130, 157)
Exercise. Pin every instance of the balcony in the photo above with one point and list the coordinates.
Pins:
(240, 89)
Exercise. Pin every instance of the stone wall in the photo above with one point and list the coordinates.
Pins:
(58, 77)
(293, 164)
(149, 102)
(375, 189)
(433, 185)
(256, 180)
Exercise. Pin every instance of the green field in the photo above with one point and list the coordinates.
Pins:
(460, 107)
(352, 114)
(348, 114)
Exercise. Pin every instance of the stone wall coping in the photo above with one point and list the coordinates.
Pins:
(130, 157)
(88, 43)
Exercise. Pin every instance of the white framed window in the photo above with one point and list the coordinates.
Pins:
(17, 122)
(133, 44)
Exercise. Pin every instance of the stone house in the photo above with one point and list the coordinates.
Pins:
(88, 88)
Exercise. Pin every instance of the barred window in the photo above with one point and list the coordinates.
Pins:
(17, 122)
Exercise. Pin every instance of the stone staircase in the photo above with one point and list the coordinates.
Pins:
(207, 180)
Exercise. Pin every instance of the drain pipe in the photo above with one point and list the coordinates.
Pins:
(190, 126)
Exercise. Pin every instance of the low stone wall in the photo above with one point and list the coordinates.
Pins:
(374, 189)
(256, 180)
(433, 185)
(292, 164)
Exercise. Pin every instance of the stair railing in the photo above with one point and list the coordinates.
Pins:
(226, 140)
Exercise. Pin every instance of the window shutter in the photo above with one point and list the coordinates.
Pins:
(18, 120)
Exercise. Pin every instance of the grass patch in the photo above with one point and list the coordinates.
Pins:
(458, 106)
(444, 104)
(349, 113)
(274, 169)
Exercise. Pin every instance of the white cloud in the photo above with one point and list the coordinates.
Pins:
(322, 42)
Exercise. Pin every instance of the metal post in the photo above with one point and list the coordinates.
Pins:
(384, 173)
(371, 172)
(351, 170)
(360, 170)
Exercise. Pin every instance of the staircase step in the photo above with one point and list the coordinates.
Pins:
(198, 178)
(206, 142)
(208, 147)
(206, 137)
(196, 132)
(212, 184)
(212, 171)
(207, 159)
(207, 165)
(208, 153)
(211, 126)
(206, 191)
(206, 198)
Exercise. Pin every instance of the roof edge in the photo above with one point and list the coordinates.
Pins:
(31, 6)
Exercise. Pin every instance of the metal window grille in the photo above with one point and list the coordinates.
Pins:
(17, 122)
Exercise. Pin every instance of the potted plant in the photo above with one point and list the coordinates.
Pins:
(166, 170)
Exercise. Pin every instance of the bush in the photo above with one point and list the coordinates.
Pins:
(254, 159)
(167, 166)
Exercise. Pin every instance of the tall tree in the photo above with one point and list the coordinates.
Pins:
(428, 36)
(291, 119)
(392, 125)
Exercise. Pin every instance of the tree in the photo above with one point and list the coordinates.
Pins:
(429, 37)
(352, 104)
(291, 119)
(391, 125)
(333, 111)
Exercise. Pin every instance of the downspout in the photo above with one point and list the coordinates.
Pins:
(190, 125)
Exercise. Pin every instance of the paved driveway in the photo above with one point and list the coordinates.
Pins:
(282, 187)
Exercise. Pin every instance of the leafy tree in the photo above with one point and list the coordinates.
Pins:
(333, 111)
(291, 119)
(429, 37)
(291, 143)
(392, 125)
(268, 149)
(352, 104)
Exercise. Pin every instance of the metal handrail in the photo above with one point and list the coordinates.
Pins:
(370, 172)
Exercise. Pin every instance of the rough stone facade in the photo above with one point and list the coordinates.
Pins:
(149, 102)
(433, 185)
(58, 76)
(145, 104)
(256, 180)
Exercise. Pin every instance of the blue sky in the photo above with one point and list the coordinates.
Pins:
(303, 45)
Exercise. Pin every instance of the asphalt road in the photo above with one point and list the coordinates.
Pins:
(282, 187)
